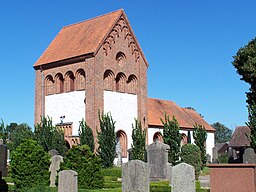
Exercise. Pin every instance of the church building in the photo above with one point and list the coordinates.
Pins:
(98, 65)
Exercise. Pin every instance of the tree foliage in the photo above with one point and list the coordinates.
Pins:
(172, 137)
(138, 141)
(86, 164)
(86, 135)
(50, 137)
(222, 134)
(245, 63)
(3, 132)
(107, 140)
(191, 155)
(30, 165)
(200, 136)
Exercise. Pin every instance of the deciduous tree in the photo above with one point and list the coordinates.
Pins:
(222, 134)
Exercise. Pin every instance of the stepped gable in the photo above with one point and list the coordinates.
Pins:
(186, 117)
(85, 39)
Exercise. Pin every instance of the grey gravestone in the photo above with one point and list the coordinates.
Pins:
(183, 178)
(208, 158)
(135, 176)
(249, 156)
(53, 152)
(3, 160)
(54, 168)
(1, 141)
(169, 173)
(68, 181)
(3, 184)
(157, 157)
(214, 155)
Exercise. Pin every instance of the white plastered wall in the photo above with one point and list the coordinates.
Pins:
(209, 140)
(69, 104)
(123, 108)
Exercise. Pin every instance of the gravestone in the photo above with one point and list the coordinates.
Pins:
(183, 178)
(129, 154)
(169, 173)
(135, 176)
(53, 152)
(54, 168)
(68, 181)
(157, 157)
(215, 155)
(249, 157)
(3, 184)
(209, 158)
(1, 141)
(3, 160)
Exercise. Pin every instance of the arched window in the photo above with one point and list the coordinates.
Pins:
(80, 80)
(109, 80)
(121, 140)
(120, 58)
(132, 84)
(184, 139)
(49, 85)
(120, 82)
(158, 137)
(59, 85)
(69, 81)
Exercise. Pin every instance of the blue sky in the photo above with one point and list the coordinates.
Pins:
(188, 44)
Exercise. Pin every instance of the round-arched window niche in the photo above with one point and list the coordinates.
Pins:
(120, 58)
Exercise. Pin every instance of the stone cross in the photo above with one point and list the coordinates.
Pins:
(54, 168)
(249, 157)
(68, 181)
(3, 160)
(135, 176)
(183, 178)
(157, 156)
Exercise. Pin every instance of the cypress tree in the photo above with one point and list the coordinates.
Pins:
(200, 136)
(172, 137)
(139, 141)
(107, 140)
(86, 135)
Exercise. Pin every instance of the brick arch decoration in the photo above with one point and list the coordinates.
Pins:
(80, 80)
(184, 139)
(122, 137)
(49, 85)
(121, 82)
(69, 81)
(158, 137)
(120, 58)
(109, 80)
(59, 83)
(132, 84)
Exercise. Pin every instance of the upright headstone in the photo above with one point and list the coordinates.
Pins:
(135, 176)
(3, 184)
(183, 178)
(169, 173)
(3, 160)
(209, 158)
(68, 181)
(129, 154)
(215, 155)
(157, 157)
(54, 168)
(53, 152)
(249, 157)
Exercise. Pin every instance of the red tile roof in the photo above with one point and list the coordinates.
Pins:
(186, 117)
(79, 39)
(239, 138)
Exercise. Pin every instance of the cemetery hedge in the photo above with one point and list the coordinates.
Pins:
(86, 164)
(30, 165)
(191, 155)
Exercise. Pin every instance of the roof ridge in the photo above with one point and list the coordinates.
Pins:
(79, 22)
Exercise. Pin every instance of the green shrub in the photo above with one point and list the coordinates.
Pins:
(223, 158)
(112, 171)
(86, 164)
(30, 165)
(191, 155)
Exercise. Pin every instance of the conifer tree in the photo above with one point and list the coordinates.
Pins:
(172, 137)
(49, 136)
(200, 136)
(86, 135)
(252, 125)
(107, 140)
(139, 141)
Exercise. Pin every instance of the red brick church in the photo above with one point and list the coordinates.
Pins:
(98, 65)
